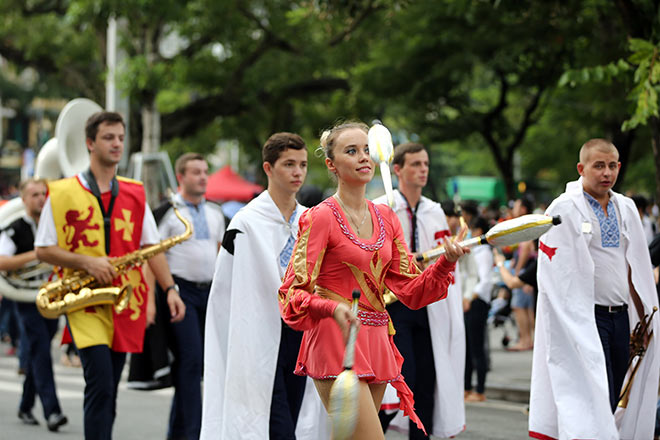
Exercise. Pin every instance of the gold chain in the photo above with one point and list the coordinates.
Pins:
(364, 216)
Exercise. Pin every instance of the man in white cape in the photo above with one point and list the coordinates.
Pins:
(445, 318)
(570, 395)
(243, 324)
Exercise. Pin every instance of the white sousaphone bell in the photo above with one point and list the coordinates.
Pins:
(64, 155)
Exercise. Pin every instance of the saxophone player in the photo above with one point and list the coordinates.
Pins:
(16, 251)
(88, 220)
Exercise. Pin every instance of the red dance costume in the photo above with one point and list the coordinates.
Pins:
(329, 261)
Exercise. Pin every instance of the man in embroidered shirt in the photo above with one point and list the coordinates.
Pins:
(591, 271)
(193, 278)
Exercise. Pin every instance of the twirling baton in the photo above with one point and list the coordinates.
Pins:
(382, 151)
(345, 391)
(523, 228)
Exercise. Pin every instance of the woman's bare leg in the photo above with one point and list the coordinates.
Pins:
(368, 425)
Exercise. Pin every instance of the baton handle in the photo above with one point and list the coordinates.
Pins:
(349, 356)
(436, 252)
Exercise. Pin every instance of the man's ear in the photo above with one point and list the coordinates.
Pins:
(397, 169)
(580, 168)
(268, 168)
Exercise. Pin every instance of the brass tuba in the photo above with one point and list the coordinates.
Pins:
(79, 289)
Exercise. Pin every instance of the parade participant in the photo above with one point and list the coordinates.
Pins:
(348, 243)
(430, 339)
(250, 354)
(477, 288)
(17, 251)
(87, 220)
(595, 283)
(194, 283)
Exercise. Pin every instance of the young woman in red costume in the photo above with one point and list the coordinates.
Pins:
(347, 243)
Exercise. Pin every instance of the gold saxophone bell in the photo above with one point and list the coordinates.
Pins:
(80, 290)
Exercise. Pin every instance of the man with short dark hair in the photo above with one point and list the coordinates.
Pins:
(16, 252)
(431, 339)
(87, 221)
(193, 278)
(595, 284)
(250, 354)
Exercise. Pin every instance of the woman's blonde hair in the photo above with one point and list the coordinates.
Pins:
(329, 136)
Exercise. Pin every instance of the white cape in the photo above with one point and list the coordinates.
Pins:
(569, 392)
(243, 328)
(446, 326)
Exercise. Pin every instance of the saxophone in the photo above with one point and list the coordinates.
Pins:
(79, 289)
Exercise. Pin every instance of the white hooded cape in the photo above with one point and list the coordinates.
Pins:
(569, 391)
(243, 328)
(446, 326)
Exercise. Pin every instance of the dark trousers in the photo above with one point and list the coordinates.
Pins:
(36, 335)
(102, 370)
(413, 340)
(8, 321)
(288, 388)
(475, 349)
(186, 410)
(614, 332)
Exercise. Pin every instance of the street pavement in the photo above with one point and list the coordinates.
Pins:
(143, 415)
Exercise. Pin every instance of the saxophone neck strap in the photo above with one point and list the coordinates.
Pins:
(114, 191)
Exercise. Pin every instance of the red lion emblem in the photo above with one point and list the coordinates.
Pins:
(75, 228)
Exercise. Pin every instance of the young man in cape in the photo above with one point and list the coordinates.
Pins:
(16, 252)
(88, 220)
(250, 391)
(431, 339)
(595, 283)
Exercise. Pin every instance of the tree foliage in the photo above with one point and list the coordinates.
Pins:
(508, 88)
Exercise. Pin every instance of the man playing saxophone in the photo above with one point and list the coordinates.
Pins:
(16, 251)
(88, 220)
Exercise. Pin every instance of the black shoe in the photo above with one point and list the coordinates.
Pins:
(27, 418)
(56, 420)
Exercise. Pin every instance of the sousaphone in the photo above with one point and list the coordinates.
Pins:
(64, 155)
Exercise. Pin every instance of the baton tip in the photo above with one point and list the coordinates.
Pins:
(356, 294)
(556, 220)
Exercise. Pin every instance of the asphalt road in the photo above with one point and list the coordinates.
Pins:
(143, 415)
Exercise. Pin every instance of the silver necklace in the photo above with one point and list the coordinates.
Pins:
(364, 216)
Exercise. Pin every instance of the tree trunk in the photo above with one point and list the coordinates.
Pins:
(654, 122)
(151, 144)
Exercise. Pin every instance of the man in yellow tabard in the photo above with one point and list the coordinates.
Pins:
(88, 220)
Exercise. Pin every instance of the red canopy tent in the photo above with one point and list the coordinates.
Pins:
(225, 185)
